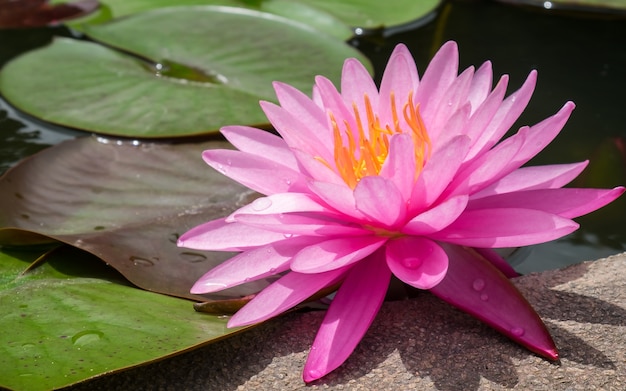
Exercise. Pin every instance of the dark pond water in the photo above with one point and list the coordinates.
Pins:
(580, 57)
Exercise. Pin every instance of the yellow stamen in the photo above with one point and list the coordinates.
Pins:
(368, 146)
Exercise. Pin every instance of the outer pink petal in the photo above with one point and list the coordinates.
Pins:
(251, 265)
(257, 173)
(335, 253)
(310, 224)
(481, 85)
(418, 261)
(568, 202)
(297, 134)
(541, 134)
(281, 203)
(508, 112)
(317, 170)
(350, 315)
(221, 236)
(451, 101)
(437, 218)
(261, 143)
(473, 285)
(482, 116)
(379, 199)
(534, 177)
(440, 73)
(505, 227)
(290, 290)
(338, 196)
(303, 108)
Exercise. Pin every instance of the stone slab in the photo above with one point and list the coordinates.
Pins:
(423, 344)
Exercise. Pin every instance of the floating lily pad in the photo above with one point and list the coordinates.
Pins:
(310, 15)
(191, 71)
(322, 14)
(126, 204)
(72, 318)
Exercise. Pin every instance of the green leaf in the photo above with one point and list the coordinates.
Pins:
(307, 14)
(330, 16)
(210, 75)
(72, 318)
(126, 204)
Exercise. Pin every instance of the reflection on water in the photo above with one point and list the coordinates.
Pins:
(579, 57)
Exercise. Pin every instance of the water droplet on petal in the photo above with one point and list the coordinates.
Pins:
(314, 374)
(412, 263)
(273, 270)
(287, 236)
(484, 297)
(288, 181)
(478, 284)
(261, 204)
(517, 331)
(138, 261)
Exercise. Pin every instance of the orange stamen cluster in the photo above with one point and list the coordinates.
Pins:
(363, 152)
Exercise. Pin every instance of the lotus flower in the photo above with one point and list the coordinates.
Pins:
(409, 180)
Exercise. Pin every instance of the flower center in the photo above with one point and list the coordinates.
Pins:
(362, 152)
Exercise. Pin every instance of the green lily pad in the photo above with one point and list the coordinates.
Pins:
(126, 204)
(191, 80)
(72, 318)
(321, 14)
(310, 15)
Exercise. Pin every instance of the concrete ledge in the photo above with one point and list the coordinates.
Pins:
(424, 344)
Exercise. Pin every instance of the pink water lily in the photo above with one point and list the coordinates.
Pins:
(410, 180)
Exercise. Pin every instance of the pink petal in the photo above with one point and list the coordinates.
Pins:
(508, 112)
(440, 73)
(289, 291)
(339, 197)
(399, 167)
(418, 261)
(505, 227)
(568, 202)
(221, 236)
(534, 177)
(455, 97)
(496, 260)
(356, 83)
(399, 79)
(261, 143)
(310, 224)
(541, 134)
(334, 103)
(297, 134)
(350, 315)
(487, 168)
(303, 108)
(439, 171)
(379, 199)
(257, 173)
(481, 85)
(315, 169)
(437, 218)
(473, 285)
(281, 203)
(335, 253)
(251, 265)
